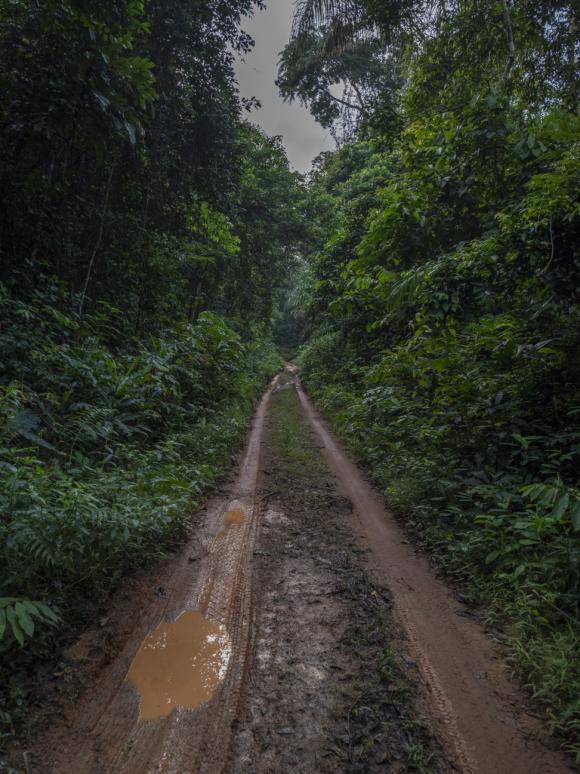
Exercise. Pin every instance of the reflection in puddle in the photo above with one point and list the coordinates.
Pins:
(234, 516)
(179, 664)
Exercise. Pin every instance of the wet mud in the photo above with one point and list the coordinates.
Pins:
(479, 711)
(179, 665)
(319, 696)
(296, 631)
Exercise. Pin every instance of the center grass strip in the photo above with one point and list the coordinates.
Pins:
(377, 722)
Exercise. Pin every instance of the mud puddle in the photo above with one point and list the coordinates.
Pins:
(180, 664)
(165, 696)
(288, 638)
(234, 516)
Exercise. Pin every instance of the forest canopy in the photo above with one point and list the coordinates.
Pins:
(146, 228)
(440, 302)
(158, 252)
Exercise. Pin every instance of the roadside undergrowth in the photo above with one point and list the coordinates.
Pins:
(106, 452)
(504, 551)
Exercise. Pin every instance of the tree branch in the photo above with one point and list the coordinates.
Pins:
(361, 101)
(98, 242)
(509, 31)
(350, 105)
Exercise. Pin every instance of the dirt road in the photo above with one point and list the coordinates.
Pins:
(297, 631)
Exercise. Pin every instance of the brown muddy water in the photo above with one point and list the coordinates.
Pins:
(179, 664)
(228, 649)
(235, 516)
(190, 720)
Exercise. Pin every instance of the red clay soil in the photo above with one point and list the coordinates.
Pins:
(471, 698)
(104, 732)
(479, 709)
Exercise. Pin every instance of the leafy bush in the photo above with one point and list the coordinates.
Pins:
(451, 369)
(105, 451)
(17, 617)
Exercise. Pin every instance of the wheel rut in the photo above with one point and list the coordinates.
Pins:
(477, 707)
(295, 585)
(107, 731)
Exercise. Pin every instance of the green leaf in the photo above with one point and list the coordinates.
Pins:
(532, 491)
(439, 365)
(2, 623)
(32, 608)
(48, 614)
(561, 506)
(14, 625)
(575, 515)
(521, 440)
(549, 495)
(492, 557)
(24, 619)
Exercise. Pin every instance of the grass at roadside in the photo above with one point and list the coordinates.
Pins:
(381, 716)
(100, 479)
(520, 565)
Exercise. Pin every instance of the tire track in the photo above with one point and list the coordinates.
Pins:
(469, 690)
(105, 735)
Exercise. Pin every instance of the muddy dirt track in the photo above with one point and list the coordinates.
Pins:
(297, 631)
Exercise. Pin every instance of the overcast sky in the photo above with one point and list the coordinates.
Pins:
(303, 137)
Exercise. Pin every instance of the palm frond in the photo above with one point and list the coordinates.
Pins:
(337, 15)
(340, 36)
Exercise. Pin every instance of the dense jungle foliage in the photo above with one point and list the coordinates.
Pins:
(441, 301)
(152, 239)
(146, 229)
